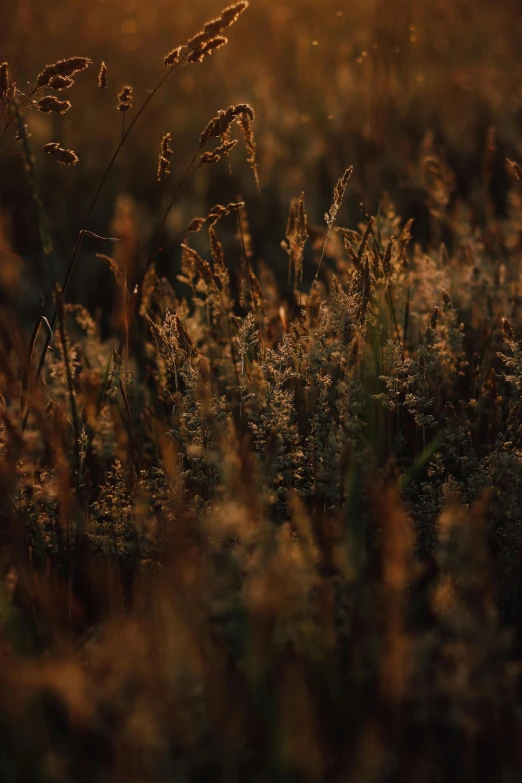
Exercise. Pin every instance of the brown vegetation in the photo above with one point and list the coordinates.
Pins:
(261, 470)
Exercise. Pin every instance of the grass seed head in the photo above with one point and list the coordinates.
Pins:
(61, 83)
(339, 191)
(102, 77)
(125, 99)
(173, 57)
(50, 103)
(164, 157)
(231, 14)
(68, 157)
(215, 155)
(196, 225)
(67, 67)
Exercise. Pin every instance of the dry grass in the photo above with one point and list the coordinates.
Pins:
(261, 519)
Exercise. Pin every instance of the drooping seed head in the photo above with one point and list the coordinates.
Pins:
(215, 155)
(245, 123)
(68, 157)
(173, 57)
(196, 224)
(50, 103)
(219, 211)
(244, 108)
(67, 67)
(61, 83)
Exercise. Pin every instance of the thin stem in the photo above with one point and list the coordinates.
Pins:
(114, 111)
(179, 185)
(322, 254)
(50, 326)
(65, 354)
(126, 134)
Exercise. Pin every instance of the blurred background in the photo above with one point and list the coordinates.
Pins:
(372, 83)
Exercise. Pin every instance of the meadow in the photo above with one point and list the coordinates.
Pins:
(260, 378)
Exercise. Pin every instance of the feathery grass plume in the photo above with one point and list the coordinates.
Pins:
(231, 13)
(49, 103)
(228, 17)
(164, 157)
(219, 211)
(220, 124)
(331, 216)
(217, 126)
(4, 81)
(196, 224)
(245, 120)
(125, 99)
(211, 29)
(215, 155)
(199, 54)
(216, 248)
(67, 67)
(209, 39)
(102, 77)
(296, 235)
(173, 57)
(61, 83)
(439, 184)
(68, 157)
(338, 196)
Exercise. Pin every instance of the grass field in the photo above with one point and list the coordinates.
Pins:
(260, 391)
